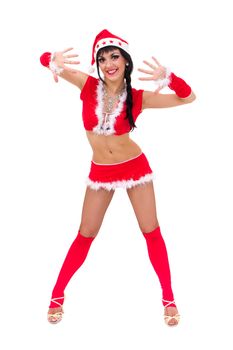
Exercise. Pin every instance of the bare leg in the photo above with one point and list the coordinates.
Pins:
(144, 205)
(94, 207)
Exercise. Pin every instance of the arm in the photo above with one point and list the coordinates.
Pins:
(156, 100)
(163, 77)
(76, 77)
(57, 64)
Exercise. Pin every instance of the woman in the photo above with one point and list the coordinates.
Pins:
(110, 109)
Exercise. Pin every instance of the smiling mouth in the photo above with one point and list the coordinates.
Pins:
(112, 71)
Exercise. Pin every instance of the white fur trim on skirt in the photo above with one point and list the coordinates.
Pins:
(95, 185)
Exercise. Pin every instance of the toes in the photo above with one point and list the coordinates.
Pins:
(172, 323)
(54, 318)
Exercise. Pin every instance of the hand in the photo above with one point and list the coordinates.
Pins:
(157, 73)
(60, 61)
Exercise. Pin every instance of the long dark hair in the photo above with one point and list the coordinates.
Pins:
(127, 76)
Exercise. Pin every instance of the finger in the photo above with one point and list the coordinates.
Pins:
(145, 71)
(157, 90)
(55, 77)
(70, 56)
(156, 61)
(70, 70)
(149, 64)
(66, 50)
(71, 62)
(146, 79)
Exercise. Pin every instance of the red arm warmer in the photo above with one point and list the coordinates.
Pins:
(45, 58)
(181, 88)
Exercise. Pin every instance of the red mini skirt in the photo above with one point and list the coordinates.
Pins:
(132, 172)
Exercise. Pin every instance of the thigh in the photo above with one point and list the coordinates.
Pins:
(143, 202)
(95, 205)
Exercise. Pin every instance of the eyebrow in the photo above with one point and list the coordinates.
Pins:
(112, 53)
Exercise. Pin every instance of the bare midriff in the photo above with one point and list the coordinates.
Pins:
(110, 149)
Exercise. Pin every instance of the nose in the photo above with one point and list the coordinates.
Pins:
(108, 63)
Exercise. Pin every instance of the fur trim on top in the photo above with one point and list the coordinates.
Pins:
(106, 128)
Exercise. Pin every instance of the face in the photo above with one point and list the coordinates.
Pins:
(112, 65)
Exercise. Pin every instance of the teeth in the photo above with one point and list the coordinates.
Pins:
(112, 71)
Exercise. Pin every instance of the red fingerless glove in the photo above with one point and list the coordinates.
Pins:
(45, 59)
(181, 88)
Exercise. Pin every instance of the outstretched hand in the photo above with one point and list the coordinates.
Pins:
(61, 60)
(156, 73)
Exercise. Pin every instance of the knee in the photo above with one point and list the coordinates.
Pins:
(88, 231)
(149, 228)
(153, 235)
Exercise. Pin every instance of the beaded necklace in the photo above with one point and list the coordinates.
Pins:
(110, 101)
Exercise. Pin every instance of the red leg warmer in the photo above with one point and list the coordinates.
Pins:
(159, 259)
(74, 259)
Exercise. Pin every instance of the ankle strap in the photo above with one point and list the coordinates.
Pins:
(168, 302)
(56, 302)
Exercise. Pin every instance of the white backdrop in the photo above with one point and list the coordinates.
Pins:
(114, 301)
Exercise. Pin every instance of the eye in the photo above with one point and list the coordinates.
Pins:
(100, 59)
(115, 57)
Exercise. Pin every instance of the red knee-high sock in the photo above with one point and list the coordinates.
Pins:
(74, 259)
(159, 259)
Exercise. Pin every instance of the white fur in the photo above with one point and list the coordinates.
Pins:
(91, 69)
(95, 185)
(161, 83)
(99, 112)
(54, 68)
(111, 42)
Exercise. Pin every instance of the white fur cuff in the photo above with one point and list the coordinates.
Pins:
(161, 83)
(53, 66)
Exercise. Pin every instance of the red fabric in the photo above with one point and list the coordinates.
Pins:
(89, 97)
(181, 88)
(74, 259)
(159, 259)
(130, 170)
(45, 59)
(101, 36)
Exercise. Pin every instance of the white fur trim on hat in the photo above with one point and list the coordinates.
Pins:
(111, 42)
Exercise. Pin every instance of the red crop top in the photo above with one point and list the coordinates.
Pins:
(111, 124)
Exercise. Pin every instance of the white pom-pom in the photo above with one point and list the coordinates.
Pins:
(91, 69)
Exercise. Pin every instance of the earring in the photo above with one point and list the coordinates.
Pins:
(127, 64)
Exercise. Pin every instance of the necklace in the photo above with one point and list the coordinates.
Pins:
(110, 101)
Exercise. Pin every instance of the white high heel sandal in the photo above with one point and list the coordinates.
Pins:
(57, 316)
(167, 318)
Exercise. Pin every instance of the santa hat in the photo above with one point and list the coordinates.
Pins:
(103, 39)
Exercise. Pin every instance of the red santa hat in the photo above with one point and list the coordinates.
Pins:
(103, 39)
